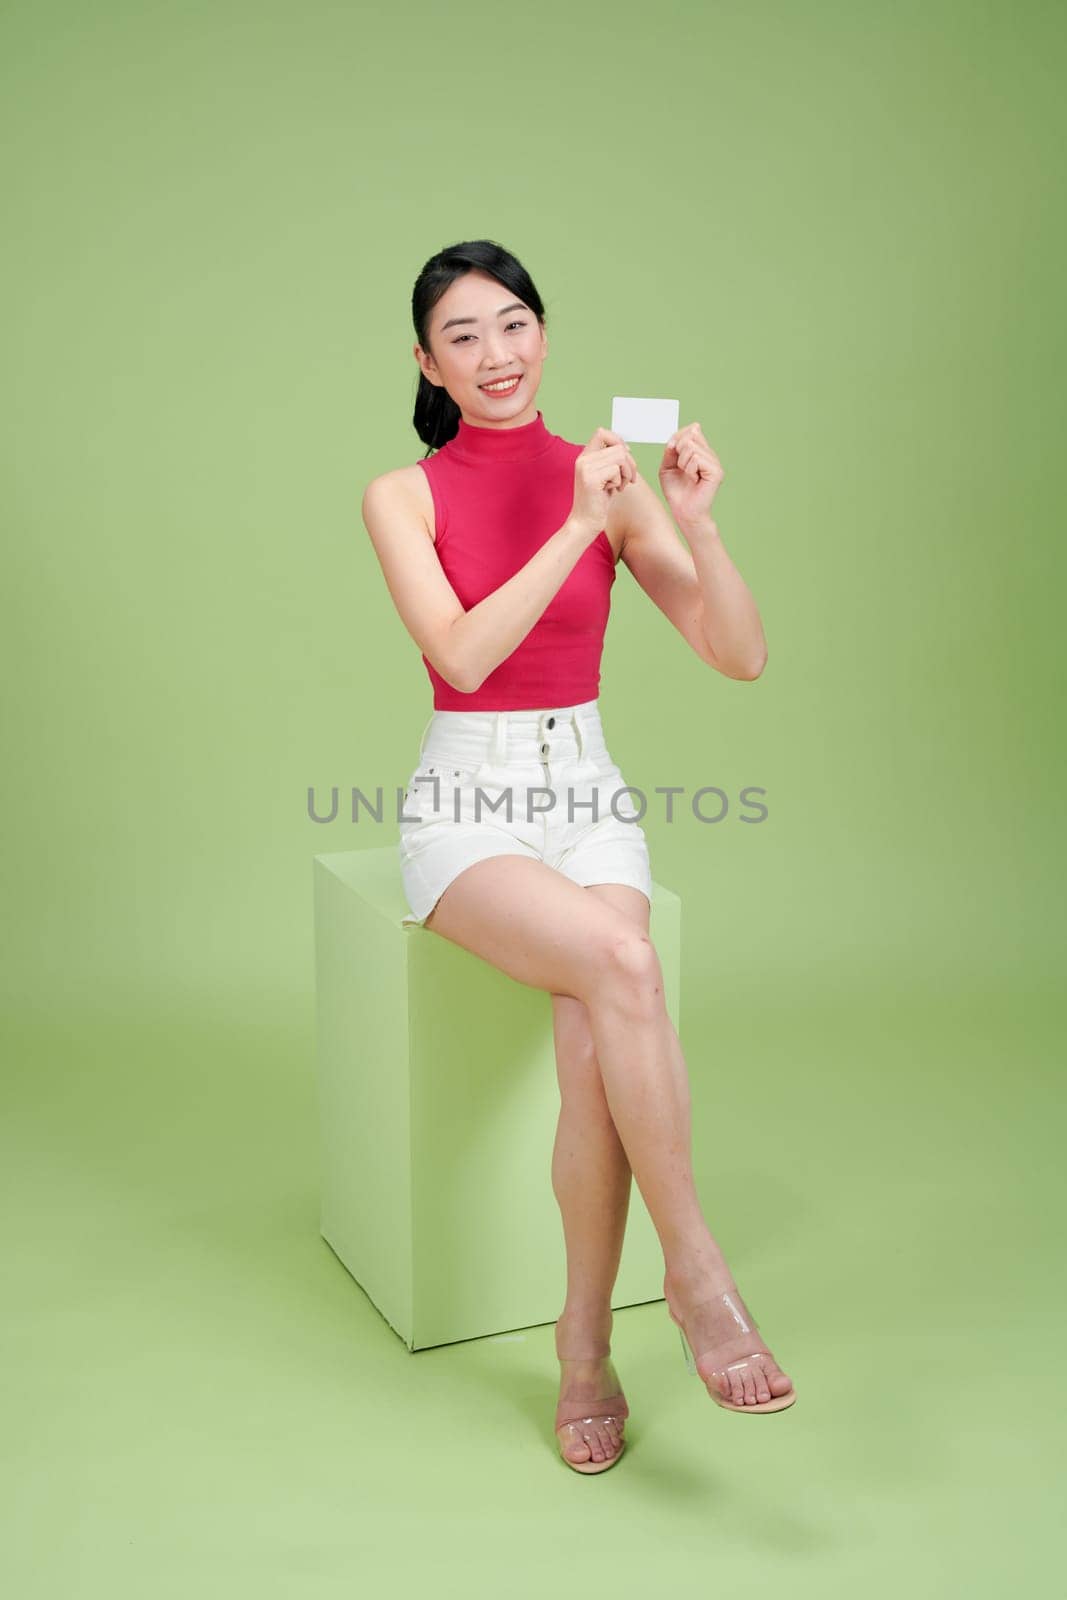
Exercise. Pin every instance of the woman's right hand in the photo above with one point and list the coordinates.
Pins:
(603, 469)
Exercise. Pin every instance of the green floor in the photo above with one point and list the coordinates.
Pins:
(204, 1402)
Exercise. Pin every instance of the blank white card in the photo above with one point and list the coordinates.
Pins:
(643, 421)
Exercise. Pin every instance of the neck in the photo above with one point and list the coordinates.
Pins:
(476, 443)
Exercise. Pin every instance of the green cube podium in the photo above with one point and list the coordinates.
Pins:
(438, 1103)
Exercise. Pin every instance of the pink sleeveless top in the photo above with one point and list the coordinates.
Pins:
(498, 495)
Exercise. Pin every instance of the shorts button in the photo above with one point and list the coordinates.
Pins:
(551, 722)
(544, 749)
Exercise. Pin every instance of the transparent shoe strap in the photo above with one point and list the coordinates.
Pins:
(731, 1320)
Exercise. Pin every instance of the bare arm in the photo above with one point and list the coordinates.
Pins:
(699, 589)
(463, 646)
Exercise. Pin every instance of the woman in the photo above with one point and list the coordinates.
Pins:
(517, 839)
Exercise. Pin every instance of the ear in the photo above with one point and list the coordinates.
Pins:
(425, 361)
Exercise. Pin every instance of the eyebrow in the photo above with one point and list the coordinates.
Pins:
(516, 305)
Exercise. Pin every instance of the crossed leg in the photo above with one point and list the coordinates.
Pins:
(591, 1179)
(545, 931)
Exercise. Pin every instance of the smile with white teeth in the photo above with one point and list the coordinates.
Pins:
(500, 387)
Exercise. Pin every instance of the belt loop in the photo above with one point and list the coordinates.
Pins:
(495, 752)
(500, 739)
(579, 733)
(425, 731)
(585, 757)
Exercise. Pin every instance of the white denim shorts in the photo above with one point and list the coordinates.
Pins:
(539, 784)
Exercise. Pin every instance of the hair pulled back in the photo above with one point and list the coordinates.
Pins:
(436, 416)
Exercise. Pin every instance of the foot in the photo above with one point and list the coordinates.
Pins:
(735, 1364)
(592, 1410)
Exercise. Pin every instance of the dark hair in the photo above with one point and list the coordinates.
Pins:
(436, 417)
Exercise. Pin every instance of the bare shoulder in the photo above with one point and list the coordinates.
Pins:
(411, 488)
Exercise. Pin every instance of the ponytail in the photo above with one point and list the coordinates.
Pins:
(436, 413)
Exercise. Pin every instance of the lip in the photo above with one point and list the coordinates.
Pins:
(515, 377)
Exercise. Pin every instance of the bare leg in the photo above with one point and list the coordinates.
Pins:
(591, 1179)
(544, 931)
(591, 1174)
(647, 1089)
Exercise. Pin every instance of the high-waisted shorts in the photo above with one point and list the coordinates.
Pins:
(539, 784)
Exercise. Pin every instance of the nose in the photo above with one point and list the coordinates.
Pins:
(497, 349)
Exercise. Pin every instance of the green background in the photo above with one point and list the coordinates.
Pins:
(835, 233)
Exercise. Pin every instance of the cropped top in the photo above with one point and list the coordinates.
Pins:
(498, 495)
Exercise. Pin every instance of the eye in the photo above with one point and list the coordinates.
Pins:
(518, 323)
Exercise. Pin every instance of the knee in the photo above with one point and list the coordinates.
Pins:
(630, 973)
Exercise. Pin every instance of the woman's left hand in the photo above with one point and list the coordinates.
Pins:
(690, 474)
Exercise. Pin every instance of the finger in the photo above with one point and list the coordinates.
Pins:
(612, 452)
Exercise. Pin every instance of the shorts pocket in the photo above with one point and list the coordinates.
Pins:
(413, 803)
(430, 795)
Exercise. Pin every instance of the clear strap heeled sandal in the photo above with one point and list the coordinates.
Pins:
(735, 1346)
(575, 1416)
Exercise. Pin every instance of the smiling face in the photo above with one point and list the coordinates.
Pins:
(480, 332)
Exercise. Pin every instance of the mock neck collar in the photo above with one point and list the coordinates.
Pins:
(477, 444)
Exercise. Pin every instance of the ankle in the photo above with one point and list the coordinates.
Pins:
(690, 1270)
(584, 1327)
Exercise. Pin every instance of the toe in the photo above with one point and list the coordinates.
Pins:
(780, 1382)
(574, 1446)
(762, 1391)
(608, 1439)
(721, 1380)
(737, 1389)
(748, 1383)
